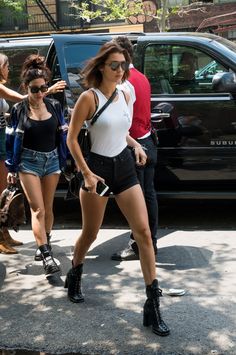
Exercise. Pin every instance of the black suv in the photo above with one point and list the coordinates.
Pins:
(195, 115)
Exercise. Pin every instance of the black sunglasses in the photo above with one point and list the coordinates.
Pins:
(115, 65)
(36, 89)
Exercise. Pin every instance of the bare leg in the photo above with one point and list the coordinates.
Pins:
(93, 209)
(49, 184)
(132, 204)
(31, 185)
(35, 189)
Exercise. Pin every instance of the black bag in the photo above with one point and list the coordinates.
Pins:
(12, 208)
(74, 186)
(84, 141)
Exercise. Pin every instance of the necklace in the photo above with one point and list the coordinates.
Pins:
(35, 107)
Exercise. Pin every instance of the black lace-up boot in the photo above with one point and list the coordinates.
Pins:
(73, 283)
(49, 264)
(38, 256)
(152, 315)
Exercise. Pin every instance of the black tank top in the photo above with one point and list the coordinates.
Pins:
(40, 135)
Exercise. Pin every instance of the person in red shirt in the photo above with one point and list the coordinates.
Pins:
(141, 131)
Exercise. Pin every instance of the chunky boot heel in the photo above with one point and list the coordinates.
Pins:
(152, 314)
(73, 283)
(147, 320)
(66, 283)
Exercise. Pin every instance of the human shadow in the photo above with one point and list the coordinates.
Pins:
(110, 320)
(183, 257)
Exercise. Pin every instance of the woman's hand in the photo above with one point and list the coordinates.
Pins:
(59, 86)
(90, 182)
(12, 178)
(140, 155)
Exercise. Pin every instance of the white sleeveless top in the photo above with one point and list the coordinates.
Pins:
(4, 107)
(108, 133)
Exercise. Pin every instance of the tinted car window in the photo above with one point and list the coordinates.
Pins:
(74, 64)
(16, 58)
(175, 69)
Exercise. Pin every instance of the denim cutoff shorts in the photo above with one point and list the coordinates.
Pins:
(2, 143)
(118, 172)
(39, 163)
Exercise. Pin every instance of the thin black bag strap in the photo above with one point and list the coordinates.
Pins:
(95, 117)
(125, 97)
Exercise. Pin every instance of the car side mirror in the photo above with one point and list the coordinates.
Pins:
(224, 82)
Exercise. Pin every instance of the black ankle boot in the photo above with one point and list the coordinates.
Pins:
(152, 315)
(38, 255)
(49, 264)
(73, 283)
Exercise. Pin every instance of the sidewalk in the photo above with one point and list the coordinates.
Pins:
(36, 315)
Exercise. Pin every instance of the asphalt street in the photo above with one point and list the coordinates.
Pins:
(36, 315)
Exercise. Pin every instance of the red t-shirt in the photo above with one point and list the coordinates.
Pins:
(141, 123)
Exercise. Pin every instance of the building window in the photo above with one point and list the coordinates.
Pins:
(232, 35)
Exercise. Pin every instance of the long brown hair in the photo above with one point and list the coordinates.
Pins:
(92, 76)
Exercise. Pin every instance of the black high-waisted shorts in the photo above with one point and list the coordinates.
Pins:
(118, 172)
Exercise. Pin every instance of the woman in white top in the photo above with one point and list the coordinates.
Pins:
(111, 161)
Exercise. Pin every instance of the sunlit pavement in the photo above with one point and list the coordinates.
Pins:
(36, 315)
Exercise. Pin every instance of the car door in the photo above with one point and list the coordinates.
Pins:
(66, 58)
(196, 126)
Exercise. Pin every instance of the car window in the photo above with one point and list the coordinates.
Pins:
(74, 58)
(158, 68)
(16, 58)
(174, 69)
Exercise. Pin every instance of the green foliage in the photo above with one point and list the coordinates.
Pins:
(108, 10)
(14, 5)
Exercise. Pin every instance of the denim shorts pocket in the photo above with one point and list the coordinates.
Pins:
(28, 161)
(29, 158)
(54, 158)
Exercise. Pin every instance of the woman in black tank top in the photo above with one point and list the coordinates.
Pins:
(39, 166)
(7, 243)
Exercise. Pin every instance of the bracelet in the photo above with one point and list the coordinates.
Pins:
(137, 147)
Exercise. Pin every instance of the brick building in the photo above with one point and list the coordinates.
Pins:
(47, 16)
(222, 25)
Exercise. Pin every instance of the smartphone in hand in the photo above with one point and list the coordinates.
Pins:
(101, 188)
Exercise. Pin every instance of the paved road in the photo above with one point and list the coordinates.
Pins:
(36, 315)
